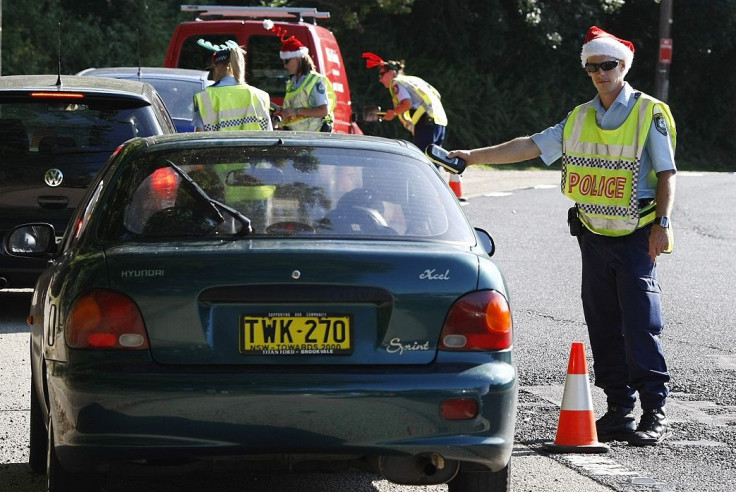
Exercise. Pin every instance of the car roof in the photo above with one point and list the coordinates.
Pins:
(307, 139)
(178, 73)
(98, 85)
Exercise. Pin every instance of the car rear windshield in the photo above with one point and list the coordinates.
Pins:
(31, 125)
(282, 191)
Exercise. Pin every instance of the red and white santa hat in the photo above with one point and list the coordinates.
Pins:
(290, 47)
(599, 42)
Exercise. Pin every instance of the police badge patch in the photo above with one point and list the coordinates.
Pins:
(320, 87)
(660, 125)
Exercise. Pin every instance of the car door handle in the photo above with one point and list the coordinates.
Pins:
(53, 201)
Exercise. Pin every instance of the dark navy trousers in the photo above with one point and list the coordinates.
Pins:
(621, 303)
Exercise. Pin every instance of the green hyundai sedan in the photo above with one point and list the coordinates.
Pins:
(295, 300)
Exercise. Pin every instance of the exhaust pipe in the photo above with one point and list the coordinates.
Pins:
(424, 469)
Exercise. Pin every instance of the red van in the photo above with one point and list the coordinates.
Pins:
(265, 69)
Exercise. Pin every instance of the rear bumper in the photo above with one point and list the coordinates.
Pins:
(101, 418)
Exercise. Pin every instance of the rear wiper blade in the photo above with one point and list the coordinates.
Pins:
(215, 205)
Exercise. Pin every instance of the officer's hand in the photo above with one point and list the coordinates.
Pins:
(390, 115)
(659, 241)
(462, 154)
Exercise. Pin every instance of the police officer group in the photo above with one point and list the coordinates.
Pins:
(232, 104)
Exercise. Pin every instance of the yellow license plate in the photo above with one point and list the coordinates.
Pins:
(296, 334)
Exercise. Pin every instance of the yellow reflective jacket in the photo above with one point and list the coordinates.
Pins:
(234, 107)
(427, 95)
(299, 98)
(600, 168)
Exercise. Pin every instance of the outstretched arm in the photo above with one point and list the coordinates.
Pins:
(516, 150)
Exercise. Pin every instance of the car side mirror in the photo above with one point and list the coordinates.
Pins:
(485, 240)
(30, 241)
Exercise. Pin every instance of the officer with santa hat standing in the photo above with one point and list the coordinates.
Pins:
(618, 166)
(309, 101)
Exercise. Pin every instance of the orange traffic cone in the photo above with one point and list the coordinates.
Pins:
(576, 428)
(457, 186)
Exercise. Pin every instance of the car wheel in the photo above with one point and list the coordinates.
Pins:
(38, 435)
(60, 480)
(481, 481)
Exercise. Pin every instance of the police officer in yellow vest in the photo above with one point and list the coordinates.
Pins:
(230, 103)
(309, 101)
(417, 104)
(618, 166)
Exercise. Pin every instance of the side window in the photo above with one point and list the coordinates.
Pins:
(194, 56)
(161, 112)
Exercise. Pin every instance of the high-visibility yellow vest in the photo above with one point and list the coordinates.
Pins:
(233, 107)
(299, 98)
(429, 102)
(600, 168)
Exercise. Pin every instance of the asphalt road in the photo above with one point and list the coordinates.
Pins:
(525, 213)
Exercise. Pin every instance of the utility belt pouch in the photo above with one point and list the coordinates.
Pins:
(573, 220)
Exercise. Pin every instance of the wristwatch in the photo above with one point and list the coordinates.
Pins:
(663, 222)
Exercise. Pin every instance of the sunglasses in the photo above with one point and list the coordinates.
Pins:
(605, 66)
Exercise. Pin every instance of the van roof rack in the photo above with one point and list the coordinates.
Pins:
(234, 12)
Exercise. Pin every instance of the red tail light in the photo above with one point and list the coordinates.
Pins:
(104, 319)
(164, 182)
(478, 321)
(459, 409)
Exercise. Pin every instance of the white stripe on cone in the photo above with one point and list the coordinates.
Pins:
(577, 393)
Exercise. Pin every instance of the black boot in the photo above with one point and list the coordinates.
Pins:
(653, 428)
(617, 424)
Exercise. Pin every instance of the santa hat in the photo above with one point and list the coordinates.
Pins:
(290, 47)
(599, 42)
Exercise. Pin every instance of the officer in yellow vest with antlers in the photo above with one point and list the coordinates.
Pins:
(230, 104)
(618, 165)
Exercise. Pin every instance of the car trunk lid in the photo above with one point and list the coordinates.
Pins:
(293, 302)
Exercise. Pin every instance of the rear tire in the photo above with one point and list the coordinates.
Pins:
(481, 481)
(38, 436)
(60, 480)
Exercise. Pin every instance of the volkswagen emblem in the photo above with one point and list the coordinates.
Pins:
(53, 177)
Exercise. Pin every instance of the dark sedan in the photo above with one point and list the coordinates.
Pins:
(294, 300)
(55, 135)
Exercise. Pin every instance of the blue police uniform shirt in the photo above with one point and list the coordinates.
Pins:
(223, 82)
(402, 93)
(318, 94)
(658, 153)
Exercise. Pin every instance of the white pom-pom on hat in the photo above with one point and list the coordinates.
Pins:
(599, 42)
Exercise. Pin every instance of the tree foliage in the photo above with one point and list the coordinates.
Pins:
(504, 67)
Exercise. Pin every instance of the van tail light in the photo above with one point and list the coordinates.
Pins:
(105, 319)
(164, 183)
(478, 321)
